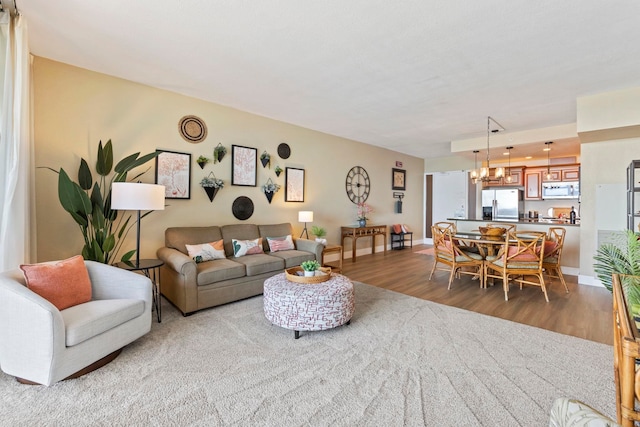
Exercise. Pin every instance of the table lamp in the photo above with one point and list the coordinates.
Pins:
(305, 216)
(136, 196)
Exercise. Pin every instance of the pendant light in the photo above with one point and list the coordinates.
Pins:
(474, 172)
(485, 171)
(509, 178)
(548, 150)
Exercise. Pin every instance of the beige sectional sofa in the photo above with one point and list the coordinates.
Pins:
(192, 286)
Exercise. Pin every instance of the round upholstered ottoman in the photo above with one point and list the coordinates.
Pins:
(308, 307)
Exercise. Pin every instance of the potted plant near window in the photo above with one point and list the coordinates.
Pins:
(622, 258)
(310, 267)
(269, 189)
(319, 232)
(211, 185)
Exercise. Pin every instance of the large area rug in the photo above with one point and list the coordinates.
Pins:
(401, 361)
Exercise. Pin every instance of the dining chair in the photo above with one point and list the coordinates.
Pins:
(445, 224)
(552, 254)
(520, 259)
(448, 252)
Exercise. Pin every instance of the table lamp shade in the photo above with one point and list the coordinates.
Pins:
(136, 196)
(305, 216)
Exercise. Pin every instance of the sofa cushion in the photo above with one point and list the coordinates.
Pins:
(206, 251)
(261, 263)
(294, 257)
(179, 237)
(274, 230)
(218, 270)
(239, 232)
(63, 283)
(85, 321)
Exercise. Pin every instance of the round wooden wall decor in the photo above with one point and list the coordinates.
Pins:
(242, 208)
(284, 151)
(192, 129)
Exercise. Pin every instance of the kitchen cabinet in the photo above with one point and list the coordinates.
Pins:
(552, 175)
(571, 174)
(633, 195)
(532, 184)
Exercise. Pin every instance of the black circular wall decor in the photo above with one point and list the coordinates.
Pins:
(284, 151)
(242, 208)
(192, 129)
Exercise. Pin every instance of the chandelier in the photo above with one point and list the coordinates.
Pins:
(484, 174)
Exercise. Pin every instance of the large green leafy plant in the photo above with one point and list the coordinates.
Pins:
(89, 202)
(623, 258)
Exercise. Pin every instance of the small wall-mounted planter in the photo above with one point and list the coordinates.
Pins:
(218, 153)
(211, 192)
(265, 159)
(269, 195)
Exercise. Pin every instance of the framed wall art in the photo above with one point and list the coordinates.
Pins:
(173, 170)
(244, 165)
(294, 185)
(398, 177)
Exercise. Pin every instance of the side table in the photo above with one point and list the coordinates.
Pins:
(151, 269)
(333, 249)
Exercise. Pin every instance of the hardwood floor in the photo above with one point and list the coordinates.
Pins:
(585, 312)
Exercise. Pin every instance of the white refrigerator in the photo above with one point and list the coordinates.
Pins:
(504, 203)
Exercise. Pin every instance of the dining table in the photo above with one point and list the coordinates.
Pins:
(486, 244)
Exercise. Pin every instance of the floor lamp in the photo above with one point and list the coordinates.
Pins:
(136, 196)
(305, 216)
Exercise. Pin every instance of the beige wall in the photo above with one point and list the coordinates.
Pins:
(75, 108)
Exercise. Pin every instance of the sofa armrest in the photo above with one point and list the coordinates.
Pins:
(309, 246)
(177, 261)
(109, 282)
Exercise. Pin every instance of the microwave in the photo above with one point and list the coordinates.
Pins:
(560, 190)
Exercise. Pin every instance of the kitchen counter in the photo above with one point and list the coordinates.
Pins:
(570, 261)
(556, 221)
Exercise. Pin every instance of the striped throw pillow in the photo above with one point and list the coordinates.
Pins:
(280, 243)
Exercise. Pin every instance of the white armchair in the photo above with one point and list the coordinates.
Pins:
(41, 344)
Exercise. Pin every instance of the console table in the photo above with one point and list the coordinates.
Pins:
(355, 232)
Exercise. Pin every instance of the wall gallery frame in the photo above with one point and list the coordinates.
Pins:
(173, 170)
(244, 165)
(398, 179)
(294, 185)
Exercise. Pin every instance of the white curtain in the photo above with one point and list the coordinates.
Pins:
(16, 145)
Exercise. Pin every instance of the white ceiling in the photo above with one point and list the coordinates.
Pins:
(407, 75)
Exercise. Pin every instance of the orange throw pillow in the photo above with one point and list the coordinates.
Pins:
(63, 283)
(397, 228)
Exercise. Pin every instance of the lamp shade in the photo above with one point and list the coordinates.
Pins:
(305, 216)
(136, 196)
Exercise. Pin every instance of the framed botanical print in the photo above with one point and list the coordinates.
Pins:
(294, 185)
(398, 177)
(244, 165)
(173, 170)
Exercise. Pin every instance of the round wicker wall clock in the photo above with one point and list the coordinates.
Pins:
(192, 129)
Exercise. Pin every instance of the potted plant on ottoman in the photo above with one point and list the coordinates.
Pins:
(310, 267)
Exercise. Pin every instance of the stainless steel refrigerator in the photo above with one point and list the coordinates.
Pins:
(502, 204)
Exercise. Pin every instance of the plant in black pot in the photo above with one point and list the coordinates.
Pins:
(211, 185)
